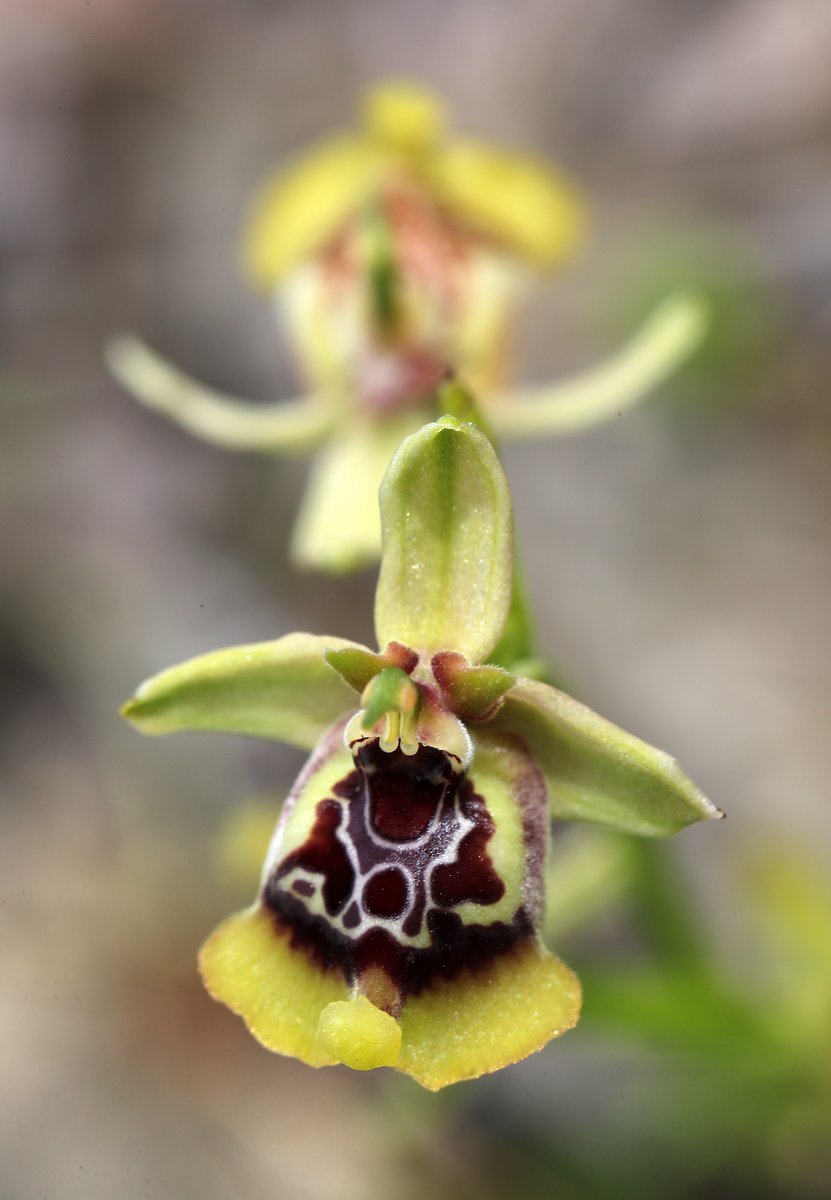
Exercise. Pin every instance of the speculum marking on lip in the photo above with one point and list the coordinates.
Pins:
(323, 854)
(385, 893)
(400, 844)
(471, 876)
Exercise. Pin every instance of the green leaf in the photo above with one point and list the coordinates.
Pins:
(596, 772)
(445, 581)
(287, 428)
(283, 690)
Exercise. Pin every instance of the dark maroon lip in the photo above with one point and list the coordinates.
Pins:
(398, 846)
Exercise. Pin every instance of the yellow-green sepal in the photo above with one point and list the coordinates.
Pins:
(403, 117)
(298, 209)
(447, 538)
(595, 771)
(670, 335)
(282, 689)
(294, 427)
(517, 200)
(338, 528)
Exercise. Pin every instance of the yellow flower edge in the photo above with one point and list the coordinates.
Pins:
(519, 201)
(529, 208)
(298, 208)
(484, 1020)
(249, 964)
(459, 1028)
(404, 116)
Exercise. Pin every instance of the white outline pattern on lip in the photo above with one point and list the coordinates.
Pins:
(446, 829)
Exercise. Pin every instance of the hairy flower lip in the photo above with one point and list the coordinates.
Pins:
(465, 956)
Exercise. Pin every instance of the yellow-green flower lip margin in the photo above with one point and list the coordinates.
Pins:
(516, 200)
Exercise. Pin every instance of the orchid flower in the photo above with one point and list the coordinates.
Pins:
(394, 254)
(399, 916)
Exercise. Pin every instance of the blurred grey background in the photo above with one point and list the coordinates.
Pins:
(678, 559)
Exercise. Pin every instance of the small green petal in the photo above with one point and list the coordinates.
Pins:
(472, 693)
(338, 528)
(289, 428)
(596, 772)
(283, 690)
(663, 343)
(356, 665)
(445, 581)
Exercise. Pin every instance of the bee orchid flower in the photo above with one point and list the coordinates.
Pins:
(395, 253)
(398, 921)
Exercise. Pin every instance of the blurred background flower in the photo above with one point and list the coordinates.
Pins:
(678, 564)
(396, 255)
